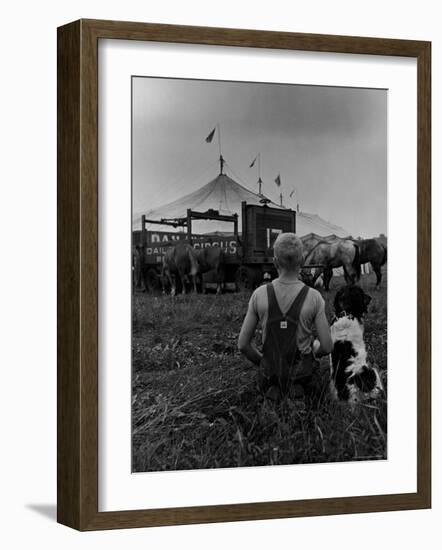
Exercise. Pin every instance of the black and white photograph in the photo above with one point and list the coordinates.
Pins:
(229, 213)
(259, 274)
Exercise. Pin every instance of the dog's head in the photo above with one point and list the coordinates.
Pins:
(352, 300)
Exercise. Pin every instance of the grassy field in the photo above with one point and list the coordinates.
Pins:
(195, 403)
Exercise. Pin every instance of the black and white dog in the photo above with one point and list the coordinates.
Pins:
(352, 378)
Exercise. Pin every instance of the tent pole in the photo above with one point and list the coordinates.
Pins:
(221, 160)
(189, 226)
(219, 138)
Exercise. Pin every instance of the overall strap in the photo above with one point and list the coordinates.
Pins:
(295, 309)
(274, 311)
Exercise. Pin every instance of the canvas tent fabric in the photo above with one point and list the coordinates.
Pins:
(312, 223)
(226, 195)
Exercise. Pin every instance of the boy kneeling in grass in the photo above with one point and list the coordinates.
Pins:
(287, 310)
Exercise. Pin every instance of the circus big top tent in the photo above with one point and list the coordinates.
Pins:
(225, 195)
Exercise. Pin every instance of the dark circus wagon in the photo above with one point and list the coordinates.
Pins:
(248, 250)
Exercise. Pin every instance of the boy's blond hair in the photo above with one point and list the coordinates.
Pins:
(288, 251)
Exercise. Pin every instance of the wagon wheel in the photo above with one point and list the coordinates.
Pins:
(244, 278)
(152, 280)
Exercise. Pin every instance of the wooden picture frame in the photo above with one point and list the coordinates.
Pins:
(78, 274)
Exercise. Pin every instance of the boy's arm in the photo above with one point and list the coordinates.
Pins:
(324, 335)
(245, 345)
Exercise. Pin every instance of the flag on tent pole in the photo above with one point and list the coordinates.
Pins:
(253, 162)
(278, 180)
(210, 136)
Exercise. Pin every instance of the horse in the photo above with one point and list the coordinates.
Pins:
(312, 239)
(185, 261)
(373, 251)
(309, 242)
(212, 258)
(137, 267)
(340, 252)
(180, 259)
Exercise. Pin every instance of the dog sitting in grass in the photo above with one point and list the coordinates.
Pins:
(352, 379)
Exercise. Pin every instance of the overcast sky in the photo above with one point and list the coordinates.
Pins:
(329, 144)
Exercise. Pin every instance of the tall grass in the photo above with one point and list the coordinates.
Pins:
(195, 402)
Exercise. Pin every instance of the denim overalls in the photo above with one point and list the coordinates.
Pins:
(282, 365)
